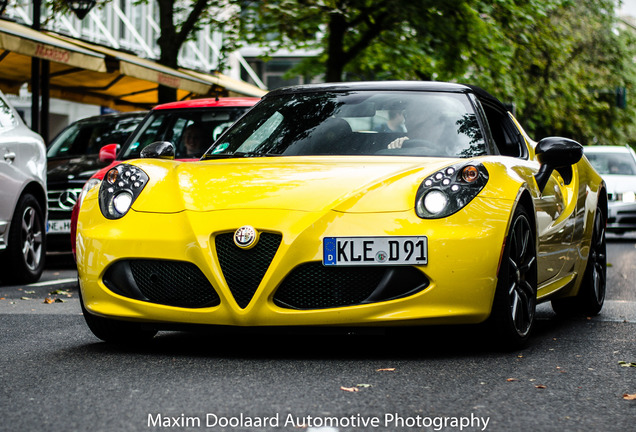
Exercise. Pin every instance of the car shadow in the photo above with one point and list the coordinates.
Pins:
(411, 343)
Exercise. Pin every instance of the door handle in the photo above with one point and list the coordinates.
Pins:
(9, 157)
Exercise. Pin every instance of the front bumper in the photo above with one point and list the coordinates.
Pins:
(621, 217)
(463, 250)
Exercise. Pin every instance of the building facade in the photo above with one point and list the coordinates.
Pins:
(128, 27)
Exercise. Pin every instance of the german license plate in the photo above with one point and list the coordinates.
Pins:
(59, 226)
(360, 251)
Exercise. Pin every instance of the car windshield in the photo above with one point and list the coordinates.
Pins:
(616, 163)
(191, 131)
(356, 123)
(87, 137)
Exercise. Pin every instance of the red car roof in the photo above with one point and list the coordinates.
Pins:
(210, 102)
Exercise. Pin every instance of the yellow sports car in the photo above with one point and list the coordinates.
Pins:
(362, 204)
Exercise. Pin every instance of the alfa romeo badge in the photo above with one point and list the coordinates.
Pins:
(246, 237)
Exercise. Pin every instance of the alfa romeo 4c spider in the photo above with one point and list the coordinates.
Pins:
(352, 205)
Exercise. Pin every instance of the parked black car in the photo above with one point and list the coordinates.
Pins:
(73, 157)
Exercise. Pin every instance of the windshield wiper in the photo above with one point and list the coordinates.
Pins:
(238, 155)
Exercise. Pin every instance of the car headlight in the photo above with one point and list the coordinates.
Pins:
(119, 190)
(628, 197)
(90, 184)
(449, 190)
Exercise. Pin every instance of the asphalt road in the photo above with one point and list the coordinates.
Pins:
(56, 376)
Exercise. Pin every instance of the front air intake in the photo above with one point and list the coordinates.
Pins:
(171, 283)
(314, 286)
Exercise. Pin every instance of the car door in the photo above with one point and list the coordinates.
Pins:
(11, 177)
(556, 221)
(555, 206)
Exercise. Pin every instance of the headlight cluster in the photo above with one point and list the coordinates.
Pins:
(120, 188)
(450, 189)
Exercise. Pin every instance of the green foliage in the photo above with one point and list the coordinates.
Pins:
(558, 61)
(564, 71)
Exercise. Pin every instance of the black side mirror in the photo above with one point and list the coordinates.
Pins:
(554, 153)
(158, 150)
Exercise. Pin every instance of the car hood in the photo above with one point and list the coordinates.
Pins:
(72, 170)
(620, 183)
(305, 184)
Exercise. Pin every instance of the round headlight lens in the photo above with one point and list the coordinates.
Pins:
(435, 201)
(629, 197)
(122, 202)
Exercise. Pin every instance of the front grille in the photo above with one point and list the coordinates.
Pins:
(314, 286)
(63, 200)
(172, 283)
(244, 269)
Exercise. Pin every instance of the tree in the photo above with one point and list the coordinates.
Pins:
(558, 61)
(388, 38)
(175, 31)
(565, 69)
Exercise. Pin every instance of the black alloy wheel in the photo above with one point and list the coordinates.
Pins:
(514, 306)
(27, 242)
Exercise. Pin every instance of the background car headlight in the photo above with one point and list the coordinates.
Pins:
(119, 190)
(90, 184)
(449, 190)
(628, 197)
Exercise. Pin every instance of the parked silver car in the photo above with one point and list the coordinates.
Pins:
(23, 207)
(617, 166)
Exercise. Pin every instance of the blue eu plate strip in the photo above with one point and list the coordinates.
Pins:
(329, 251)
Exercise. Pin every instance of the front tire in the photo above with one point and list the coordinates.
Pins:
(26, 250)
(513, 312)
(591, 296)
(114, 331)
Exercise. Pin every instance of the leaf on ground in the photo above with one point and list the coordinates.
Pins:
(363, 385)
(385, 370)
(48, 300)
(59, 300)
(540, 386)
(60, 292)
(629, 396)
(512, 379)
(349, 389)
(627, 364)
(25, 298)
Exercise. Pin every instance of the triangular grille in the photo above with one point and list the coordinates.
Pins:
(244, 269)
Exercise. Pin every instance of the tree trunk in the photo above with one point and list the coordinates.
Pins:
(336, 59)
(168, 46)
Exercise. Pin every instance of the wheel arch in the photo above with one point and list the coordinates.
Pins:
(524, 198)
(35, 189)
